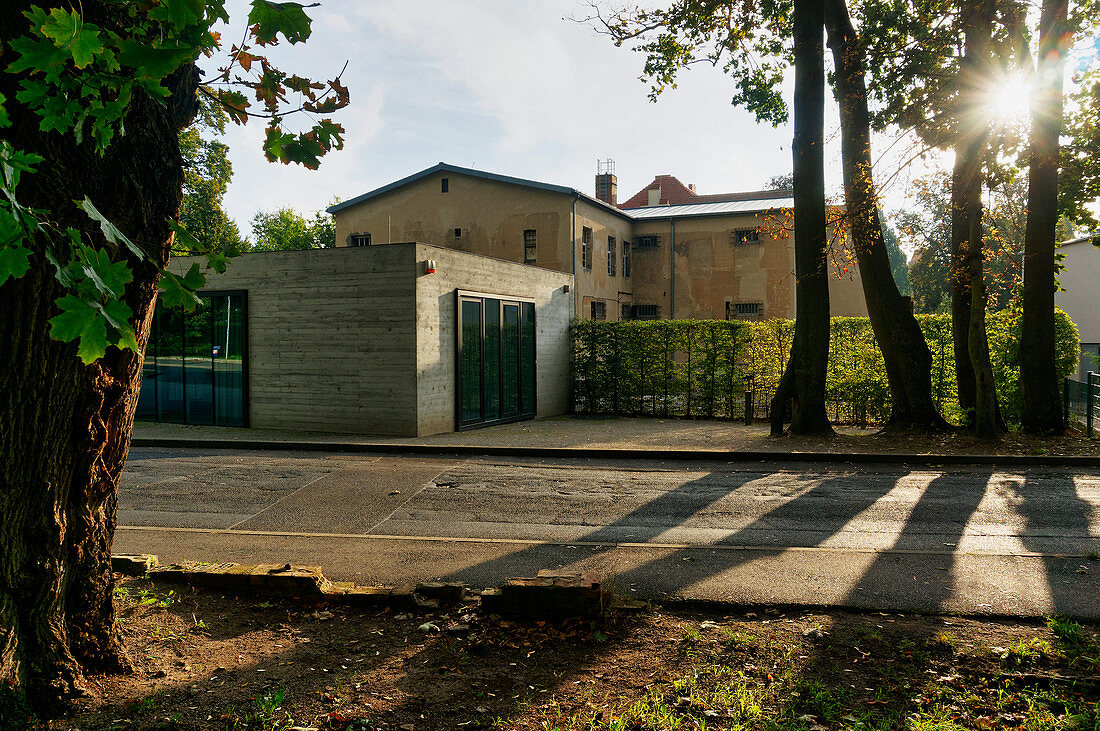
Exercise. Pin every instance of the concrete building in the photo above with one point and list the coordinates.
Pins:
(1080, 273)
(668, 252)
(408, 340)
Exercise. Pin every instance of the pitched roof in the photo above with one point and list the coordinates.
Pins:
(718, 208)
(446, 168)
(675, 193)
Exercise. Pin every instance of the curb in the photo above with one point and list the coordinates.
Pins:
(691, 455)
(550, 595)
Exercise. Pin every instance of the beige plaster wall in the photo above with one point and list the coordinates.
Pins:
(594, 283)
(1079, 279)
(436, 337)
(492, 217)
(710, 270)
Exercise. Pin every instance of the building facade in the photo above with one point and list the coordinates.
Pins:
(403, 340)
(1080, 272)
(668, 252)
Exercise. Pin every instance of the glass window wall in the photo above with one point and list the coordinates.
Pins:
(196, 365)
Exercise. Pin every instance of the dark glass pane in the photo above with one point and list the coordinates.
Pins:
(471, 361)
(492, 359)
(509, 361)
(527, 357)
(147, 397)
(228, 351)
(170, 372)
(198, 362)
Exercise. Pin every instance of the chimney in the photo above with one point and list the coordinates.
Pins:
(691, 187)
(607, 185)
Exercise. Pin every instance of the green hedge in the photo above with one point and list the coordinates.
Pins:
(703, 368)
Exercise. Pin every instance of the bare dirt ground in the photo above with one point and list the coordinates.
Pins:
(208, 661)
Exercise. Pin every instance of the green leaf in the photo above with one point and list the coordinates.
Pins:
(85, 47)
(14, 262)
(155, 63)
(109, 278)
(118, 314)
(274, 143)
(80, 320)
(110, 231)
(184, 238)
(177, 291)
(36, 55)
(61, 26)
(180, 13)
(269, 19)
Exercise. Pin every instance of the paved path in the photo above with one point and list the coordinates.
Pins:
(968, 539)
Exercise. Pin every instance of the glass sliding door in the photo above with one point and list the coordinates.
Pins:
(509, 361)
(496, 356)
(469, 354)
(195, 369)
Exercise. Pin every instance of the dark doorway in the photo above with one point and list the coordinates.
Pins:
(496, 360)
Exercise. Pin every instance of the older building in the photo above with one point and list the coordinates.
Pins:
(667, 252)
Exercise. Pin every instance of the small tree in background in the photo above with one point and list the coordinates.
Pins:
(285, 229)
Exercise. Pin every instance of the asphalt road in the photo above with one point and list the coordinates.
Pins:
(886, 537)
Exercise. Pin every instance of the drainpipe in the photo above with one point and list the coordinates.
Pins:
(672, 270)
(573, 244)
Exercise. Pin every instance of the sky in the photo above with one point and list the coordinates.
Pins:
(517, 88)
(508, 87)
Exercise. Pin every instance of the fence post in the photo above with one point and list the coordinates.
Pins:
(1065, 402)
(1090, 400)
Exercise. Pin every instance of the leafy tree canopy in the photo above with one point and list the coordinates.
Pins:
(285, 229)
(79, 75)
(207, 172)
(927, 229)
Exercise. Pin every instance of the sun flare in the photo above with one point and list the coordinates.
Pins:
(1009, 100)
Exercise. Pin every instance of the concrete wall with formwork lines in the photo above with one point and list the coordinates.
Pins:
(360, 340)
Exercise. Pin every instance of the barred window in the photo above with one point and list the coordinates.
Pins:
(626, 259)
(744, 236)
(599, 310)
(586, 248)
(530, 242)
(360, 240)
(646, 312)
(624, 312)
(650, 241)
(611, 256)
(744, 309)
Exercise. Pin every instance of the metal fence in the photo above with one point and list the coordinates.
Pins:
(1082, 402)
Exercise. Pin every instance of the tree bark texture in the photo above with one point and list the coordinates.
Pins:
(972, 364)
(905, 352)
(1041, 402)
(803, 380)
(965, 169)
(66, 426)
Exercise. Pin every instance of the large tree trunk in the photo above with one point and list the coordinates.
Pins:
(972, 364)
(803, 380)
(965, 169)
(66, 425)
(905, 352)
(1040, 394)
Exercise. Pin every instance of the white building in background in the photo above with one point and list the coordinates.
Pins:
(1080, 277)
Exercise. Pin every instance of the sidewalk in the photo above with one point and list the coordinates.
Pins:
(649, 437)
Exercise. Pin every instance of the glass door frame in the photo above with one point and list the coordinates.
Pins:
(239, 295)
(461, 296)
